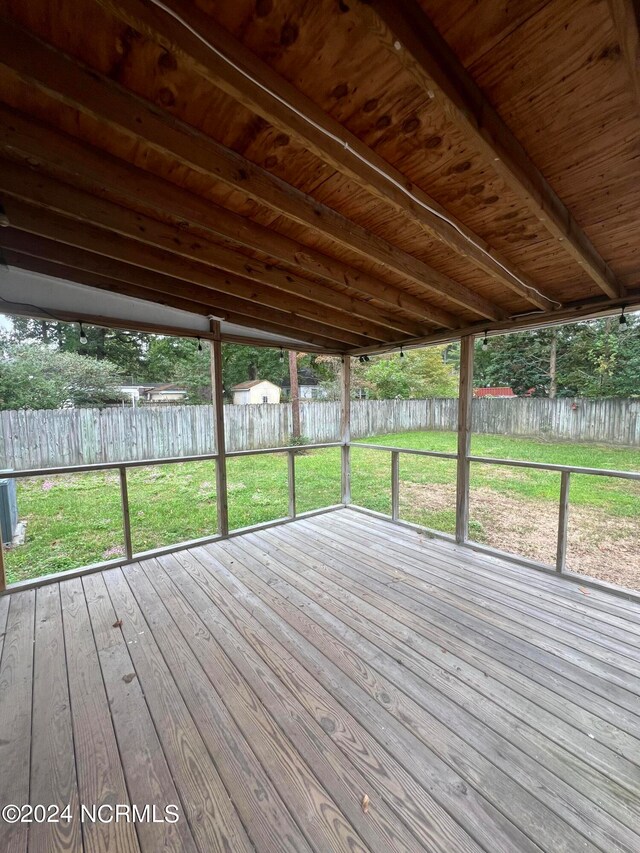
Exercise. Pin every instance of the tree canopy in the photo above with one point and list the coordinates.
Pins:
(416, 375)
(39, 377)
(598, 358)
(45, 364)
(127, 350)
(142, 358)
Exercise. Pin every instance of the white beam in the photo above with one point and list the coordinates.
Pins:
(46, 297)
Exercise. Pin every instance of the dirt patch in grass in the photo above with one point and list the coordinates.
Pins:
(431, 497)
(600, 544)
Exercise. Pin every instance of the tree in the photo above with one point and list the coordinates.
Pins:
(184, 361)
(603, 359)
(419, 374)
(598, 358)
(127, 350)
(155, 358)
(38, 377)
(521, 361)
(241, 363)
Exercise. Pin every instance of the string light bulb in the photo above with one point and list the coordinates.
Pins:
(281, 354)
(401, 352)
(485, 343)
(623, 320)
(83, 337)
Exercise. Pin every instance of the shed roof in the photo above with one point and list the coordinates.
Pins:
(244, 386)
(167, 386)
(349, 176)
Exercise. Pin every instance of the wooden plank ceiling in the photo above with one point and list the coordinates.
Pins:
(354, 175)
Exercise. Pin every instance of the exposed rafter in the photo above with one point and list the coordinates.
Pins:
(55, 195)
(210, 50)
(67, 80)
(231, 272)
(56, 259)
(572, 312)
(404, 30)
(96, 172)
(53, 226)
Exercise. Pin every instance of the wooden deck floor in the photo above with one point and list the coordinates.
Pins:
(264, 685)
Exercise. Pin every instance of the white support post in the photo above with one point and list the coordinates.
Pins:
(464, 438)
(345, 429)
(217, 400)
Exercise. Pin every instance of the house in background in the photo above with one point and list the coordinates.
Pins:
(165, 392)
(500, 391)
(131, 393)
(256, 391)
(308, 385)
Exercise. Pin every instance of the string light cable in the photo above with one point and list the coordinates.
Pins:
(36, 308)
(347, 147)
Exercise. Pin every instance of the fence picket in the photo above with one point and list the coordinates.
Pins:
(47, 438)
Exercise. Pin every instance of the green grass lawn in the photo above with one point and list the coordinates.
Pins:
(74, 520)
(371, 484)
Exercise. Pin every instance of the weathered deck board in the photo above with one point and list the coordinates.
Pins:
(144, 763)
(249, 689)
(266, 683)
(452, 731)
(210, 814)
(534, 704)
(435, 828)
(529, 743)
(53, 769)
(543, 668)
(98, 765)
(16, 692)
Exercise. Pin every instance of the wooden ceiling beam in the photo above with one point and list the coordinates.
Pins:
(308, 299)
(184, 29)
(71, 201)
(44, 223)
(27, 251)
(81, 165)
(65, 79)
(626, 21)
(405, 31)
(571, 312)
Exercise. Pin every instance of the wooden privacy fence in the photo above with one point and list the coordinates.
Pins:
(49, 438)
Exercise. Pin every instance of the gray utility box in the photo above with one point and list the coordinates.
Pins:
(8, 508)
